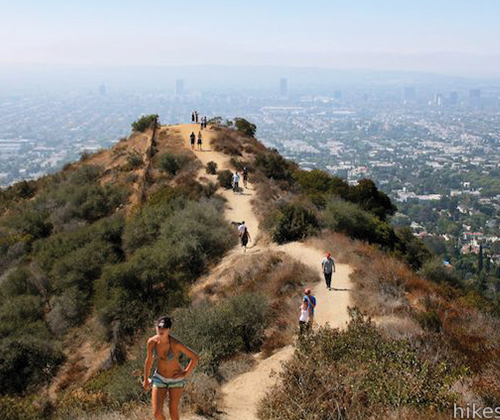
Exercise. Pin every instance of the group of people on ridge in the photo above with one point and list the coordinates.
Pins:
(195, 119)
(192, 139)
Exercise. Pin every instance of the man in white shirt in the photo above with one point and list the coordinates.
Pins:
(236, 180)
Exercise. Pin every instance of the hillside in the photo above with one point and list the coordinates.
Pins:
(92, 255)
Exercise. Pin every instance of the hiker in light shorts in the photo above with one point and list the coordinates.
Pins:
(169, 375)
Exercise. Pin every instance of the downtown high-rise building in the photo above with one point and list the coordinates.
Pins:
(454, 98)
(475, 98)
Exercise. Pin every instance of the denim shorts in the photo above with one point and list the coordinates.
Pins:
(162, 382)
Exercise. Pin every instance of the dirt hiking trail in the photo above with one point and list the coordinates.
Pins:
(242, 394)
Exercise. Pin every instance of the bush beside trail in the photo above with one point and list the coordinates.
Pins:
(357, 374)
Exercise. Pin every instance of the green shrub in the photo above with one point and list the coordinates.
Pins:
(118, 384)
(345, 217)
(211, 168)
(31, 223)
(436, 272)
(369, 198)
(53, 249)
(19, 282)
(430, 320)
(275, 166)
(218, 331)
(172, 163)
(68, 309)
(144, 228)
(132, 292)
(356, 373)
(145, 122)
(15, 408)
(245, 127)
(27, 362)
(293, 222)
(134, 160)
(411, 249)
(225, 179)
(22, 315)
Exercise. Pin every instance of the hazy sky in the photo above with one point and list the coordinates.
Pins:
(446, 36)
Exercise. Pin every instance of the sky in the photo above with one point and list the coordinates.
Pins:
(441, 36)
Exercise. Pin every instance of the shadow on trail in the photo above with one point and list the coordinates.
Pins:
(340, 290)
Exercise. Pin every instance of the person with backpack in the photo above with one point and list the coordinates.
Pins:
(192, 137)
(312, 305)
(244, 235)
(245, 176)
(236, 180)
(328, 267)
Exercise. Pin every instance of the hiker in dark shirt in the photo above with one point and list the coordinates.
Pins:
(192, 138)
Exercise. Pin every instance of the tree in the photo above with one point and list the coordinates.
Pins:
(245, 127)
(145, 122)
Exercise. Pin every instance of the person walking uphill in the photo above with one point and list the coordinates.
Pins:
(236, 180)
(312, 305)
(304, 316)
(245, 237)
(328, 266)
(192, 138)
(169, 374)
(200, 141)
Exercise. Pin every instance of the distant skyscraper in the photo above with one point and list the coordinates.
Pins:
(283, 87)
(475, 97)
(409, 94)
(438, 99)
(102, 90)
(337, 95)
(453, 98)
(179, 87)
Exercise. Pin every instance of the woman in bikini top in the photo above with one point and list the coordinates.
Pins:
(169, 375)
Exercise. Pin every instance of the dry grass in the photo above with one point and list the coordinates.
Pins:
(274, 275)
(398, 299)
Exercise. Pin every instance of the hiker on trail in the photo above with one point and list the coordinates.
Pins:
(241, 228)
(236, 180)
(199, 140)
(245, 176)
(244, 236)
(304, 316)
(192, 137)
(312, 304)
(205, 121)
(196, 116)
(169, 374)
(328, 266)
(192, 117)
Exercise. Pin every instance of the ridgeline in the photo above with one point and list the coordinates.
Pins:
(90, 256)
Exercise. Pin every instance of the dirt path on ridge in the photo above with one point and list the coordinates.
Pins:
(242, 394)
